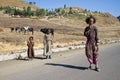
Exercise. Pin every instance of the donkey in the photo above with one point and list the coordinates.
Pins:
(19, 29)
(28, 29)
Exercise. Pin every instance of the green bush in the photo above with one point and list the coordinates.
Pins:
(40, 12)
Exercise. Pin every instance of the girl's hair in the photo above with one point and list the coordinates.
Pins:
(88, 19)
(30, 37)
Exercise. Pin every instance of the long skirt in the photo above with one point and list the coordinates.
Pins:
(30, 52)
(47, 48)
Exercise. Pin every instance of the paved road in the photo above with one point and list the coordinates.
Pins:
(69, 65)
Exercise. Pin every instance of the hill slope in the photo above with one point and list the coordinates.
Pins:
(16, 3)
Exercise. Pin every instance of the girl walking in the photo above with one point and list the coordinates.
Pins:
(91, 48)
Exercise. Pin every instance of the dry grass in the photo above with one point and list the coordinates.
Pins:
(12, 42)
(16, 3)
(65, 34)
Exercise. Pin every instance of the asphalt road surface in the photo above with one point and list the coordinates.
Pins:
(68, 65)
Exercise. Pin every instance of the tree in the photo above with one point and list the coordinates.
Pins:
(18, 12)
(47, 12)
(1, 8)
(96, 12)
(24, 12)
(64, 5)
(57, 10)
(70, 11)
(63, 12)
(29, 11)
(50, 13)
(118, 18)
(8, 10)
(34, 3)
(30, 3)
(13, 11)
(40, 12)
(85, 10)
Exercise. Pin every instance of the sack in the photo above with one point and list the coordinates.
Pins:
(45, 30)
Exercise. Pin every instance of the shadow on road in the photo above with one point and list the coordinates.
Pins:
(68, 66)
(39, 58)
(27, 59)
(23, 59)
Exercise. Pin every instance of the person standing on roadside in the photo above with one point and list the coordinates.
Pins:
(48, 41)
(30, 50)
(91, 47)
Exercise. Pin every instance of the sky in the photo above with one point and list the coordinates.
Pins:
(110, 6)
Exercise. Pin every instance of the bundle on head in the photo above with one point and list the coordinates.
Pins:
(45, 30)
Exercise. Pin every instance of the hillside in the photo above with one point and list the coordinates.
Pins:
(67, 32)
(16, 3)
(69, 27)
